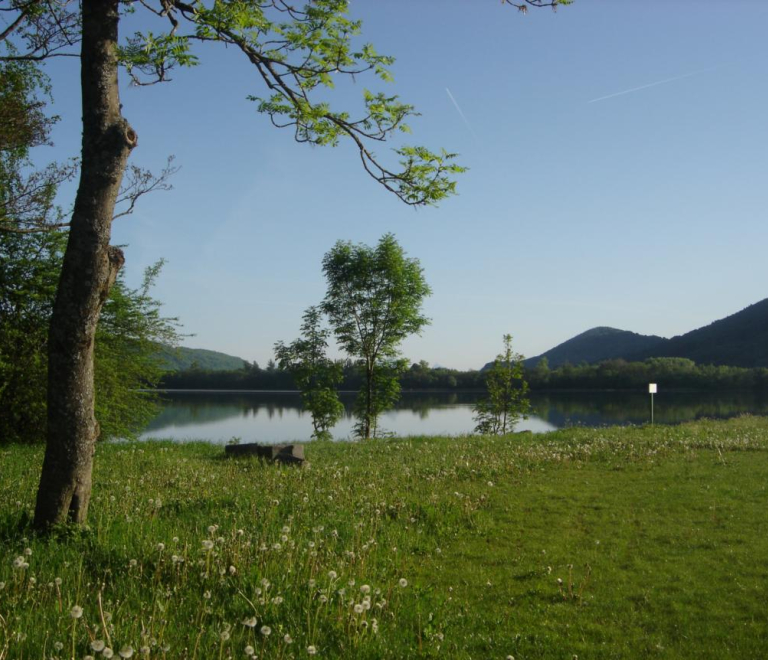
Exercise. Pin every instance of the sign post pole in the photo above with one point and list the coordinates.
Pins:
(652, 389)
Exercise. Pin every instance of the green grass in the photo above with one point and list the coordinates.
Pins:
(596, 543)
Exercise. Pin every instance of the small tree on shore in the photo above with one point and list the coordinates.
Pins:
(314, 373)
(507, 399)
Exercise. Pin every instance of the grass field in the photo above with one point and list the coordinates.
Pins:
(596, 543)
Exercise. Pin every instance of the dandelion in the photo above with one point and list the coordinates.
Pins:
(133, 563)
(358, 608)
(249, 651)
(207, 544)
(160, 547)
(107, 652)
(207, 595)
(266, 631)
(145, 650)
(232, 570)
(76, 612)
(403, 582)
(288, 639)
(224, 635)
(57, 581)
(18, 562)
(366, 589)
(126, 652)
(2, 586)
(58, 646)
(311, 650)
(212, 529)
(250, 623)
(28, 552)
(332, 575)
(98, 645)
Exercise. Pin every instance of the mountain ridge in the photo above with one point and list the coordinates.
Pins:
(737, 340)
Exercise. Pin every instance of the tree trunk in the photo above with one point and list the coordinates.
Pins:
(89, 271)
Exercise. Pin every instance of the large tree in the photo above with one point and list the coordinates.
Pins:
(374, 301)
(294, 50)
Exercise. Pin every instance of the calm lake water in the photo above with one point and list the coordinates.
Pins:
(272, 417)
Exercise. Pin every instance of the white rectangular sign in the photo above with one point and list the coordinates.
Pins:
(652, 388)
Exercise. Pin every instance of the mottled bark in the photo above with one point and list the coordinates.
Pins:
(89, 271)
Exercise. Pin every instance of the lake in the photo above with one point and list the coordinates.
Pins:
(272, 417)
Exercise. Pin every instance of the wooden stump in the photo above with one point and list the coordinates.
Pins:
(290, 454)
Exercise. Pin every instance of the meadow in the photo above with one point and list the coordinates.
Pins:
(641, 542)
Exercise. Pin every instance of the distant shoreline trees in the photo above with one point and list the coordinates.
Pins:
(608, 375)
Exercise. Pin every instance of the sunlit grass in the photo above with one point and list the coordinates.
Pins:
(599, 543)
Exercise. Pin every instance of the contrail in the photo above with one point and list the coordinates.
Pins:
(653, 84)
(461, 114)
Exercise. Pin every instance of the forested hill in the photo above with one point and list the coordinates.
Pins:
(596, 345)
(184, 359)
(739, 340)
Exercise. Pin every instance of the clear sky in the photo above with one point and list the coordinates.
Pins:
(619, 176)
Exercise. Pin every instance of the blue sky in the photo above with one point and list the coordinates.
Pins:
(643, 211)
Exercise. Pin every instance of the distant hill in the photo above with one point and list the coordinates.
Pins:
(596, 345)
(739, 340)
(181, 359)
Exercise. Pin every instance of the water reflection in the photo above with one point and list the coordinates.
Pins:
(278, 417)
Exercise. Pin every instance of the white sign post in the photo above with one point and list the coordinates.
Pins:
(652, 389)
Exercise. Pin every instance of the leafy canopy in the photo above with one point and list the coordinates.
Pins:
(298, 52)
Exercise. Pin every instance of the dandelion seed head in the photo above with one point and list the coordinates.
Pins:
(98, 645)
(332, 575)
(287, 639)
(249, 651)
(76, 612)
(250, 622)
(126, 652)
(108, 652)
(403, 582)
(266, 631)
(311, 650)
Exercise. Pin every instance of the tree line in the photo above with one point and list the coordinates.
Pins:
(669, 373)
